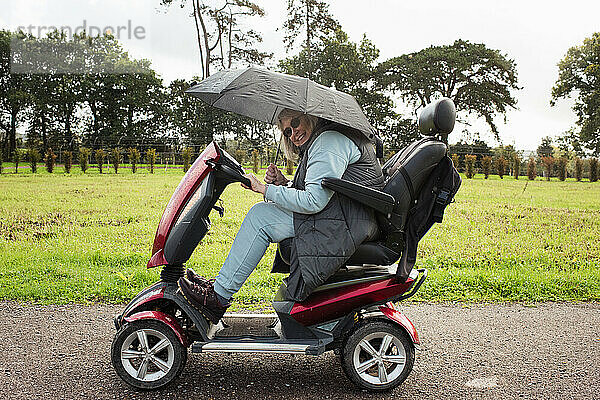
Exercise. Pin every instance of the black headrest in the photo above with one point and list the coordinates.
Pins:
(438, 118)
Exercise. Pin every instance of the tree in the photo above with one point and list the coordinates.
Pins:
(34, 157)
(134, 158)
(222, 38)
(84, 154)
(531, 169)
(548, 162)
(193, 121)
(470, 165)
(545, 149)
(578, 169)
(100, 155)
(115, 158)
(486, 165)
(479, 80)
(401, 133)
(476, 146)
(569, 142)
(349, 67)
(579, 75)
(311, 19)
(186, 154)
(501, 164)
(125, 98)
(516, 165)
(14, 94)
(50, 159)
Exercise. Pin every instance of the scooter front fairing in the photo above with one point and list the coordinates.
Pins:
(185, 220)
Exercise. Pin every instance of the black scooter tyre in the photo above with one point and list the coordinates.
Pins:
(397, 360)
(174, 355)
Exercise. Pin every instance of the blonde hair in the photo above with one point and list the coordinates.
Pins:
(286, 145)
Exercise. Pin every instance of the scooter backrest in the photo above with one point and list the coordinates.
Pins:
(407, 171)
(438, 118)
(405, 175)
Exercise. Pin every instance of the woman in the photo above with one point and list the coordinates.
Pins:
(326, 228)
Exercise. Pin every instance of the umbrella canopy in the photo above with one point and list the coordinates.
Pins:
(261, 94)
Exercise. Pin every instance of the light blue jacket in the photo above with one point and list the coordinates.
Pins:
(328, 157)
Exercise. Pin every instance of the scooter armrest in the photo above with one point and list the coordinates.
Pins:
(379, 201)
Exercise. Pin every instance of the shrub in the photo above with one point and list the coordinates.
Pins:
(456, 161)
(100, 156)
(501, 164)
(531, 169)
(255, 161)
(593, 170)
(562, 168)
(151, 158)
(516, 166)
(50, 159)
(115, 158)
(486, 165)
(289, 166)
(134, 158)
(68, 158)
(84, 155)
(470, 165)
(186, 154)
(548, 162)
(34, 156)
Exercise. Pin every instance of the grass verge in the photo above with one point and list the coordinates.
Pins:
(87, 237)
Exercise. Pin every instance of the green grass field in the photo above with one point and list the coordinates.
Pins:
(83, 238)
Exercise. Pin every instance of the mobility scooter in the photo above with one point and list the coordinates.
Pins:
(352, 313)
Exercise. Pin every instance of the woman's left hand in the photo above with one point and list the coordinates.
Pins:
(257, 186)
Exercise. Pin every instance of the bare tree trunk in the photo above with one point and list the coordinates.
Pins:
(206, 72)
(196, 18)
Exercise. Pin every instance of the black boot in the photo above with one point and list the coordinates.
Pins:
(204, 299)
(197, 279)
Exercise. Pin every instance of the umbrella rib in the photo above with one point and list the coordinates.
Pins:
(306, 96)
(228, 88)
(274, 112)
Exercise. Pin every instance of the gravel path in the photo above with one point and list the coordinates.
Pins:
(548, 351)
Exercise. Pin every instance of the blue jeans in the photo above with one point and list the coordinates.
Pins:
(264, 224)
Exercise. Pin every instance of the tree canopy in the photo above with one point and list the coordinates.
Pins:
(222, 37)
(311, 19)
(348, 67)
(579, 76)
(479, 80)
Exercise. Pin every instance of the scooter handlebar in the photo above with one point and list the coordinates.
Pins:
(245, 181)
(234, 175)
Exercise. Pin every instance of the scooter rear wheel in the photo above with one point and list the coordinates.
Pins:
(378, 356)
(147, 355)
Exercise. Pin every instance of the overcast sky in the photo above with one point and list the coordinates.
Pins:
(536, 34)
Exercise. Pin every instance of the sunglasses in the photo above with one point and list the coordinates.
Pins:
(294, 123)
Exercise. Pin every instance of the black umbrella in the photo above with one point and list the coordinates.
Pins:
(261, 94)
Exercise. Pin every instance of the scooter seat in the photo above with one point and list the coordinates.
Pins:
(368, 253)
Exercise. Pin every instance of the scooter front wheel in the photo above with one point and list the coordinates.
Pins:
(147, 355)
(378, 356)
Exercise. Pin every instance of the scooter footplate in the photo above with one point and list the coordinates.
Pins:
(240, 327)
